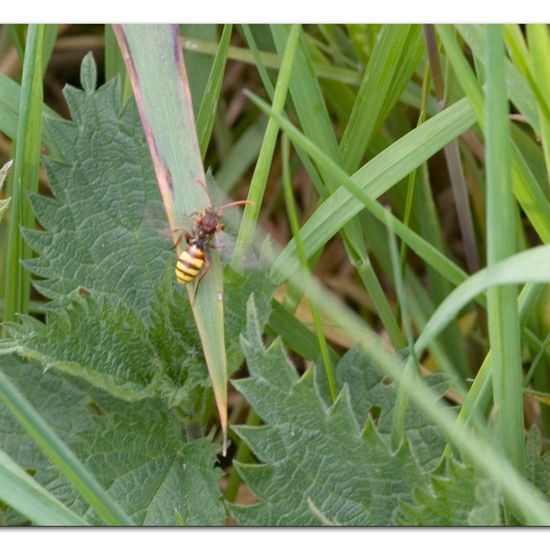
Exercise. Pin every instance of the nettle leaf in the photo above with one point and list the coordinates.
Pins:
(318, 465)
(537, 464)
(88, 338)
(372, 394)
(117, 317)
(136, 451)
(455, 496)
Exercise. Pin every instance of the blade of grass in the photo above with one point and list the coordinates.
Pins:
(539, 48)
(375, 178)
(295, 334)
(310, 106)
(114, 64)
(295, 227)
(209, 102)
(22, 493)
(518, 87)
(154, 61)
(411, 183)
(526, 189)
(50, 37)
(242, 154)
(65, 460)
(454, 166)
(517, 48)
(504, 334)
(338, 95)
(425, 250)
(10, 98)
(261, 172)
(479, 395)
(17, 32)
(25, 176)
(344, 200)
(386, 63)
(529, 266)
(270, 60)
(413, 367)
(266, 81)
(257, 56)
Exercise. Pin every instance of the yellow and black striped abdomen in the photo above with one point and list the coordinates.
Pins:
(189, 264)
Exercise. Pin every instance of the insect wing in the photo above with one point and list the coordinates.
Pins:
(225, 243)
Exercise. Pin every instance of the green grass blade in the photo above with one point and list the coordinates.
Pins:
(198, 65)
(25, 173)
(10, 98)
(386, 63)
(518, 87)
(50, 37)
(295, 227)
(526, 189)
(517, 48)
(65, 460)
(529, 266)
(263, 165)
(22, 493)
(412, 368)
(306, 95)
(262, 70)
(539, 46)
(209, 102)
(376, 177)
(312, 111)
(114, 64)
(504, 334)
(454, 165)
(174, 148)
(295, 334)
(479, 394)
(240, 157)
(270, 60)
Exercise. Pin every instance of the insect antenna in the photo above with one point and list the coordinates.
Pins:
(234, 203)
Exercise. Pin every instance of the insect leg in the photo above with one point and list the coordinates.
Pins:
(204, 271)
(205, 268)
(184, 234)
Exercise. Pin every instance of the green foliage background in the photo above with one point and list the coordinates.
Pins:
(112, 360)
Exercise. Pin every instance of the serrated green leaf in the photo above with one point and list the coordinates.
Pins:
(135, 450)
(537, 463)
(371, 393)
(456, 496)
(98, 340)
(319, 466)
(118, 319)
(88, 73)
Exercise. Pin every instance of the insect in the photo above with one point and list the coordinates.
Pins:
(194, 262)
